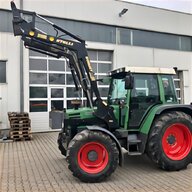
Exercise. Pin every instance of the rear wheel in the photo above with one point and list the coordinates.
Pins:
(170, 141)
(92, 156)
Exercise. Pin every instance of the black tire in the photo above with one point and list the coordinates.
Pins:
(76, 155)
(60, 142)
(163, 141)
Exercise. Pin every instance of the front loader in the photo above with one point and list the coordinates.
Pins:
(141, 115)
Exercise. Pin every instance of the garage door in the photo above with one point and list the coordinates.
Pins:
(51, 84)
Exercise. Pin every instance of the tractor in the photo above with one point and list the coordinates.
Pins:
(141, 114)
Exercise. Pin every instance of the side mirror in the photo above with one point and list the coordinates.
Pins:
(129, 82)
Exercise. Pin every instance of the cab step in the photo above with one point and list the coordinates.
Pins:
(133, 144)
(134, 153)
(135, 141)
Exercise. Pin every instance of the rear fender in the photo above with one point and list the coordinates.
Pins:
(97, 128)
(158, 110)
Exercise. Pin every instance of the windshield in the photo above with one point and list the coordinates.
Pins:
(117, 91)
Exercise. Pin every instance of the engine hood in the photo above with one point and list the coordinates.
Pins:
(81, 113)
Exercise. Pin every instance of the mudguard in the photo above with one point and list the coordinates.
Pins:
(97, 128)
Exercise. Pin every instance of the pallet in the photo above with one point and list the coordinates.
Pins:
(20, 129)
(24, 132)
(20, 125)
(23, 137)
(18, 121)
(18, 118)
(18, 114)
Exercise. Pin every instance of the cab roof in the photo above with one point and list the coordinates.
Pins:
(146, 70)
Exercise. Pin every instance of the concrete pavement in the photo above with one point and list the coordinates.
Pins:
(38, 166)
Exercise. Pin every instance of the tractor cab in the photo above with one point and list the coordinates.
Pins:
(136, 90)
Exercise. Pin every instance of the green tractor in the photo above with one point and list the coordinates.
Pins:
(149, 118)
(141, 114)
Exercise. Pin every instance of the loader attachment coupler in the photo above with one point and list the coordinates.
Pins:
(19, 24)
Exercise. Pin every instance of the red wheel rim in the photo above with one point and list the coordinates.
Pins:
(93, 157)
(177, 141)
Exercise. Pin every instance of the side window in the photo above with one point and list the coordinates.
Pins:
(145, 86)
(3, 78)
(169, 89)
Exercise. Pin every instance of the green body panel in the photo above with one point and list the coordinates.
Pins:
(146, 124)
(81, 113)
(127, 110)
(116, 112)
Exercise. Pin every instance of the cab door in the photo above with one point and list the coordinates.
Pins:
(144, 96)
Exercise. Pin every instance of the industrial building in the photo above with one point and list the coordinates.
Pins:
(117, 34)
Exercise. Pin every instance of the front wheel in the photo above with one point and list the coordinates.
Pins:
(60, 142)
(170, 141)
(92, 156)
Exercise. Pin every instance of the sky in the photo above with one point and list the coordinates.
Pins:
(176, 5)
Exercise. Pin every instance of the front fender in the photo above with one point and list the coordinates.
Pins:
(97, 128)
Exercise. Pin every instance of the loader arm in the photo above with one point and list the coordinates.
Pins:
(73, 48)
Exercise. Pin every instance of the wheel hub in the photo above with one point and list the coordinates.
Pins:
(177, 141)
(92, 156)
(171, 139)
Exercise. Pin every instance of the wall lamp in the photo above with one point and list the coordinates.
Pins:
(123, 12)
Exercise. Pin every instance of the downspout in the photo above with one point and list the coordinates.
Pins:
(21, 71)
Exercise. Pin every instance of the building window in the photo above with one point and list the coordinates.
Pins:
(38, 78)
(6, 22)
(38, 92)
(38, 106)
(2, 71)
(155, 40)
(57, 79)
(102, 63)
(124, 36)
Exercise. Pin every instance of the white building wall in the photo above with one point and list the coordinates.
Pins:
(5, 4)
(10, 92)
(107, 12)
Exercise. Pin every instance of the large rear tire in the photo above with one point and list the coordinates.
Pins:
(170, 141)
(92, 156)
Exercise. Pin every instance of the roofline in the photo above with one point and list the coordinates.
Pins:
(144, 70)
(163, 9)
